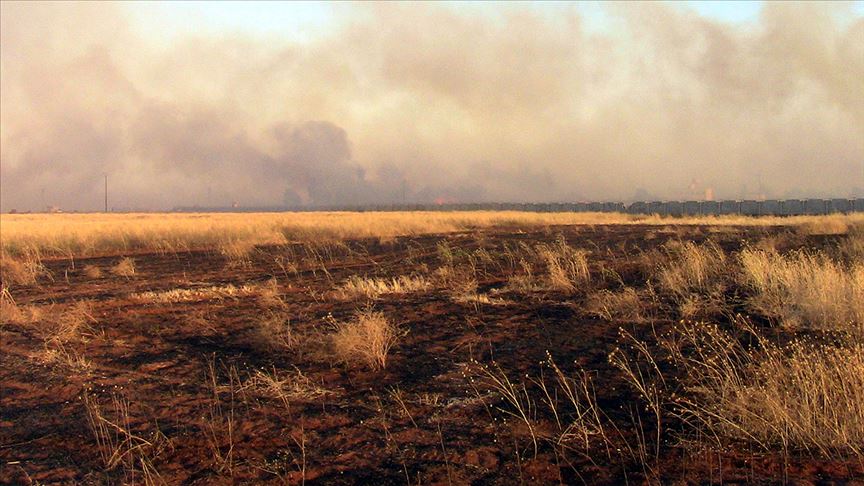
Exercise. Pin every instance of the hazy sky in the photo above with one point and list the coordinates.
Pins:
(194, 103)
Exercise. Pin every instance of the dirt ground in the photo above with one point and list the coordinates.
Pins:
(173, 375)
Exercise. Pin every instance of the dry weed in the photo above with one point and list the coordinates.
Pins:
(70, 324)
(237, 252)
(565, 415)
(194, 294)
(826, 225)
(286, 386)
(119, 446)
(66, 358)
(269, 295)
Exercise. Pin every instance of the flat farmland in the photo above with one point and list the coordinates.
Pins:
(432, 349)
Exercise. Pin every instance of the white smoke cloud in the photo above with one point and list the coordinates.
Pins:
(430, 102)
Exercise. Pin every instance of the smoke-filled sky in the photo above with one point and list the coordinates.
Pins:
(318, 104)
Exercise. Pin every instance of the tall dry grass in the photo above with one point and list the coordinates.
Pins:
(690, 267)
(805, 289)
(801, 396)
(23, 269)
(694, 276)
(58, 235)
(567, 267)
(626, 304)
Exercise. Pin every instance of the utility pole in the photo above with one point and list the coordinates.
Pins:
(106, 191)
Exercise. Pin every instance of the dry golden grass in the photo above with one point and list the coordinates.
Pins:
(805, 290)
(801, 396)
(24, 269)
(273, 331)
(62, 235)
(201, 293)
(372, 288)
(567, 267)
(623, 305)
(237, 252)
(286, 386)
(691, 267)
(835, 224)
(92, 271)
(365, 340)
(851, 248)
(124, 268)
(70, 324)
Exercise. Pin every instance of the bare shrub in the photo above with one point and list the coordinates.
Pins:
(805, 289)
(367, 339)
(124, 268)
(372, 288)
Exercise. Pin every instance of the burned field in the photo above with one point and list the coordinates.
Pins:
(597, 354)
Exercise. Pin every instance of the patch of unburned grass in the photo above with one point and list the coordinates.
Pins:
(567, 267)
(62, 235)
(372, 288)
(216, 292)
(124, 268)
(800, 396)
(625, 305)
(365, 340)
(805, 289)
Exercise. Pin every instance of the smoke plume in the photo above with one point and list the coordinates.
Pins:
(426, 102)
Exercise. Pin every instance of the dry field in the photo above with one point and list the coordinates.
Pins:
(443, 348)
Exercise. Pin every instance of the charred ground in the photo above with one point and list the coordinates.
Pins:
(169, 375)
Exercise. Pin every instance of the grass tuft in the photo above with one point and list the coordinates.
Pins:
(366, 340)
